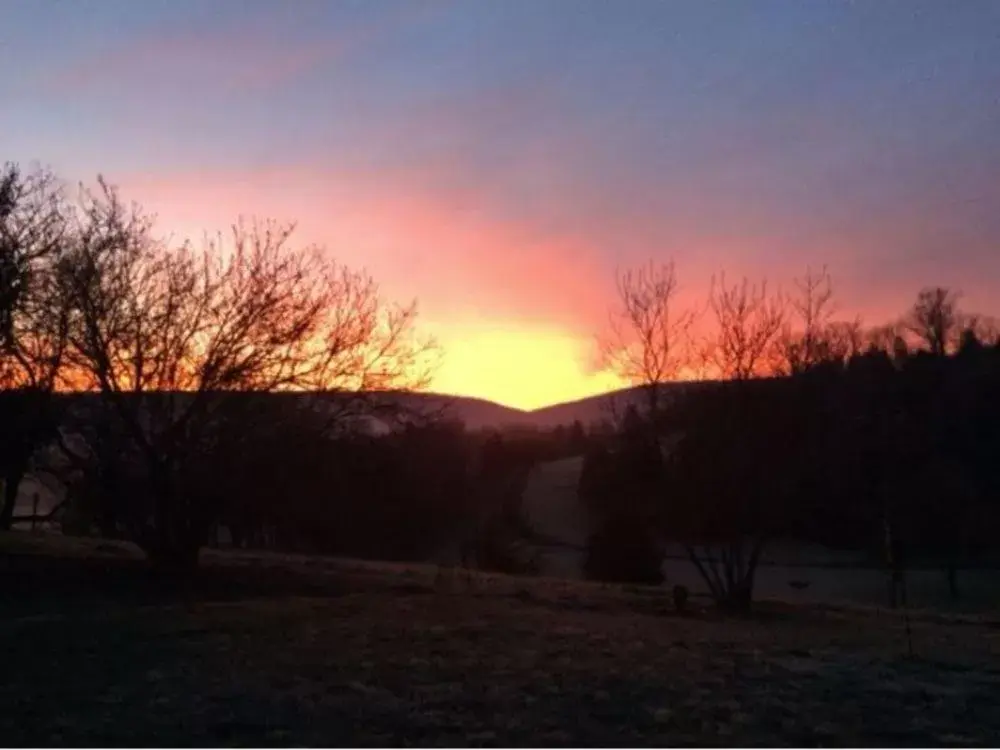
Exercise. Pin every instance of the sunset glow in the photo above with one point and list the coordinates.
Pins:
(520, 368)
(498, 161)
(499, 372)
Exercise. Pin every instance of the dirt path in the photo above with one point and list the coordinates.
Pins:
(553, 510)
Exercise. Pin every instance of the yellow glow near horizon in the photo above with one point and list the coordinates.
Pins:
(522, 368)
(487, 299)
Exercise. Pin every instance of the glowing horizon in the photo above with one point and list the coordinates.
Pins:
(522, 369)
(498, 161)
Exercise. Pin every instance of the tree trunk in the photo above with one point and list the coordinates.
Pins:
(739, 597)
(709, 574)
(732, 587)
(172, 553)
(173, 544)
(11, 485)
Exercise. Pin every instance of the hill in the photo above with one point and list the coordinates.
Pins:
(477, 413)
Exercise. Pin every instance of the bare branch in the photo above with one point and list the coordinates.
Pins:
(33, 237)
(177, 340)
(749, 320)
(648, 341)
(935, 320)
(804, 338)
(985, 328)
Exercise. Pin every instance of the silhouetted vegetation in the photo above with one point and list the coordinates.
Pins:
(33, 322)
(245, 394)
(619, 488)
(816, 437)
(176, 344)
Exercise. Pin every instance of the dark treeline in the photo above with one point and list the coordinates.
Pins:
(882, 440)
(249, 387)
(246, 385)
(285, 482)
(281, 480)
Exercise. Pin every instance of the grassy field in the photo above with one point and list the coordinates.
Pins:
(297, 651)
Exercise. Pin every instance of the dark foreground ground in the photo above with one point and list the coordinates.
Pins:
(283, 651)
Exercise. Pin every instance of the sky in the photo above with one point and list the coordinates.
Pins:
(498, 160)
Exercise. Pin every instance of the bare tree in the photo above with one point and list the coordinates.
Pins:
(715, 483)
(844, 340)
(174, 339)
(33, 320)
(889, 339)
(809, 336)
(33, 232)
(749, 320)
(985, 328)
(804, 338)
(935, 320)
(731, 480)
(648, 341)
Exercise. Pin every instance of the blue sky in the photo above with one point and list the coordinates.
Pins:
(481, 154)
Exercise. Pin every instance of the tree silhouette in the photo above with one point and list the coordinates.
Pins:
(809, 337)
(174, 340)
(622, 549)
(804, 342)
(734, 479)
(649, 338)
(935, 320)
(34, 236)
(748, 321)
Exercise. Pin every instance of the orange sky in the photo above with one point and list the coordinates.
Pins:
(515, 306)
(498, 159)
(515, 313)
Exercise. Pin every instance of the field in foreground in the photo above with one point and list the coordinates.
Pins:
(296, 652)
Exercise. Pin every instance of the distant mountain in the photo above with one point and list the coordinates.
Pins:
(588, 411)
(476, 413)
(479, 413)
